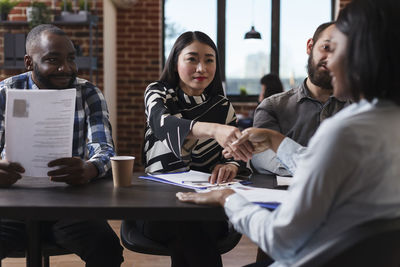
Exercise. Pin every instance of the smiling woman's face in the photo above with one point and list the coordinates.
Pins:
(196, 68)
(336, 64)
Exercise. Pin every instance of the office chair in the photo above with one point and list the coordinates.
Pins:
(144, 245)
(376, 243)
(47, 251)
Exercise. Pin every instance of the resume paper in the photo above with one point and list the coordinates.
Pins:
(39, 128)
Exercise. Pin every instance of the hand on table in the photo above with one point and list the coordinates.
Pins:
(214, 197)
(223, 173)
(73, 171)
(10, 173)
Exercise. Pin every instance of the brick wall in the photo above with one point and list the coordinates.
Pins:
(78, 33)
(139, 63)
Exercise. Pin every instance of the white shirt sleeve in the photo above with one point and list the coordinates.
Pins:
(284, 163)
(289, 152)
(267, 162)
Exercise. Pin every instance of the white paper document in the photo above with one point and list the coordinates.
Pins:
(39, 127)
(260, 195)
(283, 180)
(189, 179)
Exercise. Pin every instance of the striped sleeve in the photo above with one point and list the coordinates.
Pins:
(171, 130)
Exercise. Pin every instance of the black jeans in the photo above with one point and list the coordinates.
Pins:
(94, 241)
(191, 244)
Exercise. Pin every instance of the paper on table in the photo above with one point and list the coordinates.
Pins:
(260, 195)
(39, 127)
(191, 179)
(283, 181)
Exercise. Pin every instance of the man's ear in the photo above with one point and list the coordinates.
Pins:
(28, 62)
(310, 44)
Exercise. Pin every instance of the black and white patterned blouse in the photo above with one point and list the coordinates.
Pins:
(171, 115)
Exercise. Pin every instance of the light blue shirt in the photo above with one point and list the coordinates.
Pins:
(348, 175)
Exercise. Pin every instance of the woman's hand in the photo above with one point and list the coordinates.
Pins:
(10, 173)
(214, 197)
(260, 139)
(223, 173)
(225, 135)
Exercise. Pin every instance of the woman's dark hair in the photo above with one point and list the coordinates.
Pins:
(273, 84)
(170, 75)
(373, 54)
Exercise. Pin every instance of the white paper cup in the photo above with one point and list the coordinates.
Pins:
(122, 169)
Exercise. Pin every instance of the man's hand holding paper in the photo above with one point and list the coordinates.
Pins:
(10, 173)
(73, 171)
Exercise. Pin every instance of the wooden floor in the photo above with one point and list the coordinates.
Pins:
(244, 253)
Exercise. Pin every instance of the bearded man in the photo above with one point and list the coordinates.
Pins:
(297, 113)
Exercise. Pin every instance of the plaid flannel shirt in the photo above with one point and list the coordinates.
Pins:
(92, 138)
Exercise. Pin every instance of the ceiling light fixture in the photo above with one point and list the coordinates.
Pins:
(252, 34)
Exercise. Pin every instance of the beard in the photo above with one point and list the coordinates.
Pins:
(320, 78)
(45, 80)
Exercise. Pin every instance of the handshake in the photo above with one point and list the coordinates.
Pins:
(242, 145)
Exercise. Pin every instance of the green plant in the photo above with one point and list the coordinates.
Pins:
(6, 6)
(82, 5)
(66, 6)
(40, 14)
(243, 91)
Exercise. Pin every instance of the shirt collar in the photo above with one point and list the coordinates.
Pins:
(191, 100)
(31, 83)
(304, 93)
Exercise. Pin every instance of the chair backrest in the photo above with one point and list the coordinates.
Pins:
(376, 243)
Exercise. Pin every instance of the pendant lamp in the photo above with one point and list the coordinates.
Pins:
(252, 34)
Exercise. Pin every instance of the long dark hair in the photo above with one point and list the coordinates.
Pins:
(373, 54)
(170, 75)
(273, 84)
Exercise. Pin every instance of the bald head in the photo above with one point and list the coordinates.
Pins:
(50, 55)
(33, 37)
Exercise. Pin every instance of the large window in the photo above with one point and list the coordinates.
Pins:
(188, 15)
(244, 62)
(299, 19)
(247, 60)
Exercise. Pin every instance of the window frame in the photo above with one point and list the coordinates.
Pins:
(221, 33)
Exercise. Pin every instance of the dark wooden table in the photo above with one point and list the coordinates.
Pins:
(38, 199)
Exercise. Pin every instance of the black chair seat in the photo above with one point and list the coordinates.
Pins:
(376, 243)
(144, 245)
